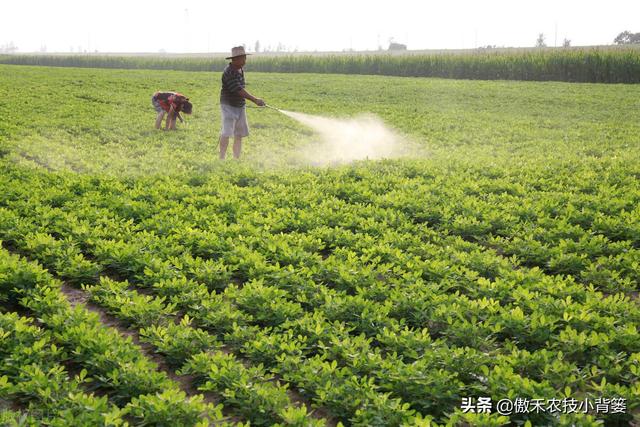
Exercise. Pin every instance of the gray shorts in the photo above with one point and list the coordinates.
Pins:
(234, 121)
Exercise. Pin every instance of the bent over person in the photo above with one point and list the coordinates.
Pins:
(171, 103)
(232, 103)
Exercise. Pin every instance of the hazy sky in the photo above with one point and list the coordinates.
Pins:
(215, 26)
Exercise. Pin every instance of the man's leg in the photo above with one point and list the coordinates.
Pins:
(241, 130)
(159, 119)
(237, 147)
(224, 143)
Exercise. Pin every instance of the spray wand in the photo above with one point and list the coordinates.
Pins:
(273, 108)
(264, 106)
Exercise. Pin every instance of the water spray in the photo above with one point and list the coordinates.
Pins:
(345, 140)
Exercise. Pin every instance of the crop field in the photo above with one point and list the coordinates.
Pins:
(604, 64)
(145, 282)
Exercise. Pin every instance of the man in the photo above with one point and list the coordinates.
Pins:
(232, 103)
(171, 103)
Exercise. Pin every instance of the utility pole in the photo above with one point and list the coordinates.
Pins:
(555, 37)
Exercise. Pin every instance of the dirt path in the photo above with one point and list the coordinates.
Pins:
(186, 382)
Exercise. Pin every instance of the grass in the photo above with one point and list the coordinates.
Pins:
(109, 112)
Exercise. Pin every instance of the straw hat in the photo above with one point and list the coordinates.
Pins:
(237, 51)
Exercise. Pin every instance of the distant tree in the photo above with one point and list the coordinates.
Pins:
(8, 48)
(397, 46)
(627, 37)
(540, 42)
(566, 43)
(257, 46)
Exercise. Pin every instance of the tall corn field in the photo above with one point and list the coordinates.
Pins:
(596, 65)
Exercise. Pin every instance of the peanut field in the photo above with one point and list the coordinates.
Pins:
(145, 282)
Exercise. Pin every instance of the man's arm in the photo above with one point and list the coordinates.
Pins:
(243, 93)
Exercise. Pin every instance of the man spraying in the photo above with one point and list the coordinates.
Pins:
(232, 103)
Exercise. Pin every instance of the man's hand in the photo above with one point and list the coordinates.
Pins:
(259, 102)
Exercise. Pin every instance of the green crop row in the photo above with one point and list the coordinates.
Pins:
(142, 309)
(242, 388)
(285, 346)
(595, 243)
(246, 390)
(109, 362)
(33, 375)
(216, 315)
(600, 65)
